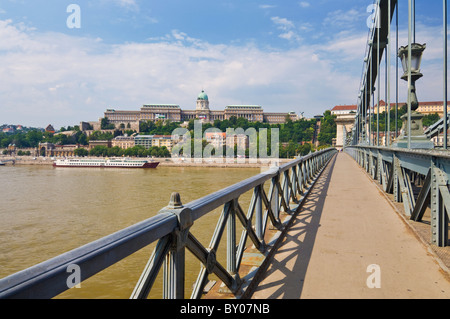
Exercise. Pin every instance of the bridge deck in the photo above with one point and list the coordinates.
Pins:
(346, 225)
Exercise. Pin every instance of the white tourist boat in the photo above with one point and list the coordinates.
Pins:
(106, 163)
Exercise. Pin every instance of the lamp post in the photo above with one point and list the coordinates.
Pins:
(416, 59)
(412, 134)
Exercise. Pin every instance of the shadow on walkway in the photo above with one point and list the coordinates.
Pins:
(292, 264)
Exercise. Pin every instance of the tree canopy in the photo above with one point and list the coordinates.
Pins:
(295, 137)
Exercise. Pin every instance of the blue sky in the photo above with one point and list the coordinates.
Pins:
(303, 56)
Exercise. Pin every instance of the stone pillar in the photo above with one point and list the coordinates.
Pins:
(344, 124)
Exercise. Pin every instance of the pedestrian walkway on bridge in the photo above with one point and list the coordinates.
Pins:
(348, 241)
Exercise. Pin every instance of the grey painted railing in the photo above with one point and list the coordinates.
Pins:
(170, 229)
(417, 178)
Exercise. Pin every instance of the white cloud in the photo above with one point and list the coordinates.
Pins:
(127, 3)
(60, 79)
(288, 28)
(267, 6)
(347, 46)
(348, 19)
(283, 23)
(304, 4)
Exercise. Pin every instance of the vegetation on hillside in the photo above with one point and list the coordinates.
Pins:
(295, 137)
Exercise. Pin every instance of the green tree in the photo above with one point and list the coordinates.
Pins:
(327, 129)
(81, 152)
(305, 149)
(81, 138)
(105, 125)
(163, 152)
(99, 150)
(99, 136)
(430, 119)
(154, 152)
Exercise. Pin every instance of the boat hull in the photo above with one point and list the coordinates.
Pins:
(106, 165)
(151, 165)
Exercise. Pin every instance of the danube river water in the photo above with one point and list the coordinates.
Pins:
(46, 211)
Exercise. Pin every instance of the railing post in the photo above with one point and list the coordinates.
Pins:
(174, 266)
(294, 182)
(275, 201)
(380, 167)
(304, 180)
(286, 192)
(439, 217)
(174, 273)
(259, 214)
(367, 157)
(396, 167)
(231, 239)
(300, 178)
(148, 277)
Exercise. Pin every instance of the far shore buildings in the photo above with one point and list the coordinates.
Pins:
(173, 112)
(345, 116)
(217, 140)
(424, 108)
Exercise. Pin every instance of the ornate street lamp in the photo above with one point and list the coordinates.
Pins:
(417, 138)
(416, 59)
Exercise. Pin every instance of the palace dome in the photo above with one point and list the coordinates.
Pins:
(202, 96)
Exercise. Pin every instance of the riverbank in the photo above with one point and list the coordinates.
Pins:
(169, 162)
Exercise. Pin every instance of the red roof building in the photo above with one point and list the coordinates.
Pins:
(344, 109)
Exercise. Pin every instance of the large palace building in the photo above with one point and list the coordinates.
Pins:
(173, 113)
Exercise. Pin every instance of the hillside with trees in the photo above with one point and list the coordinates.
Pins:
(295, 136)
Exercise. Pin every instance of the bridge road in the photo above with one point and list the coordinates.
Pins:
(346, 225)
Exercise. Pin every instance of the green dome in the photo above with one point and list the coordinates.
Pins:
(202, 96)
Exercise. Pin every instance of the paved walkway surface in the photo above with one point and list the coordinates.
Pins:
(345, 226)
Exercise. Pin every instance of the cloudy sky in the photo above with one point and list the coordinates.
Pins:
(290, 55)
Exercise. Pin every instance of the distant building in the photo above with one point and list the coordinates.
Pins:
(8, 130)
(344, 109)
(174, 113)
(123, 142)
(143, 140)
(346, 115)
(216, 139)
(93, 144)
(50, 129)
(54, 150)
(240, 140)
(221, 139)
(432, 107)
(425, 108)
(149, 141)
(163, 140)
(345, 119)
(12, 149)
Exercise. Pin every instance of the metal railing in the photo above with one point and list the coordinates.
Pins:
(416, 178)
(170, 229)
